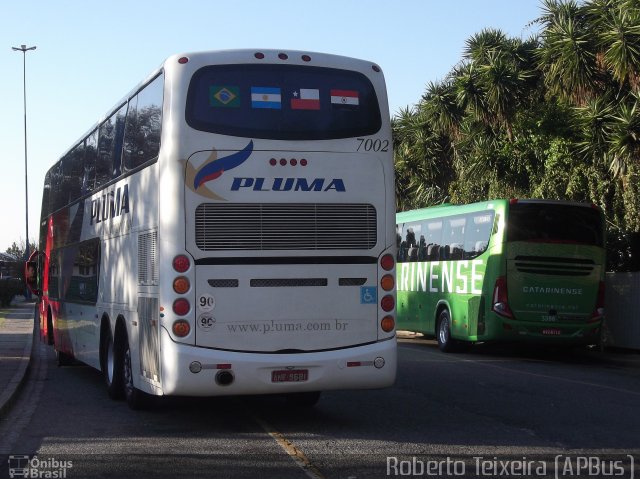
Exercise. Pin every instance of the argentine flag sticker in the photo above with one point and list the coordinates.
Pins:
(266, 97)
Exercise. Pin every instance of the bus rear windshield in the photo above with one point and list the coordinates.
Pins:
(555, 223)
(282, 102)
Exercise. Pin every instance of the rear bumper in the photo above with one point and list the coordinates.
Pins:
(541, 332)
(252, 372)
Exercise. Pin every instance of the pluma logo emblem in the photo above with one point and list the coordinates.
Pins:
(198, 180)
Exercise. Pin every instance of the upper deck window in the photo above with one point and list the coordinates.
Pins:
(282, 102)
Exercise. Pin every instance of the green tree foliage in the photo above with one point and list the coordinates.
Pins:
(17, 250)
(556, 116)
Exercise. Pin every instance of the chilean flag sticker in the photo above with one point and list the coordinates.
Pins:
(345, 97)
(305, 99)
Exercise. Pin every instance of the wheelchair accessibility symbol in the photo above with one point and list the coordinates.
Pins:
(368, 295)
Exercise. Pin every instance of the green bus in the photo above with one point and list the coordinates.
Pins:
(502, 270)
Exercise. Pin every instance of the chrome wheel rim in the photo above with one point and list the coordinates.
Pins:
(110, 360)
(444, 331)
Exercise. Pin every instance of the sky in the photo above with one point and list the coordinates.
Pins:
(90, 54)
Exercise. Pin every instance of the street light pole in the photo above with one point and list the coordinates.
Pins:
(24, 49)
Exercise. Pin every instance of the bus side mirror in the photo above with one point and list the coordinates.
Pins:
(31, 274)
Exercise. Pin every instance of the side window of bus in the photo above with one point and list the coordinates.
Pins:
(46, 195)
(479, 227)
(72, 171)
(433, 240)
(422, 242)
(144, 121)
(130, 149)
(104, 161)
(54, 273)
(410, 242)
(83, 285)
(116, 155)
(453, 238)
(57, 194)
(110, 139)
(90, 158)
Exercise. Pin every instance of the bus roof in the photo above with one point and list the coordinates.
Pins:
(447, 209)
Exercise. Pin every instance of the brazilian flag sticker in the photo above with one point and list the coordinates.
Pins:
(224, 96)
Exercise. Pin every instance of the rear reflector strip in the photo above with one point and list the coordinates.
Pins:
(355, 364)
(287, 282)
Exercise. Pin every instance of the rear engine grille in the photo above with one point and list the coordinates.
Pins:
(554, 266)
(276, 226)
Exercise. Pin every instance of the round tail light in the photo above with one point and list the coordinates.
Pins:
(181, 263)
(387, 303)
(181, 328)
(387, 282)
(387, 262)
(387, 324)
(181, 306)
(181, 285)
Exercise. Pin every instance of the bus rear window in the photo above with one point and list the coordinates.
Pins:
(282, 102)
(555, 223)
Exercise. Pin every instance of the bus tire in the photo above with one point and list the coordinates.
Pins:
(50, 340)
(111, 365)
(135, 398)
(303, 400)
(445, 342)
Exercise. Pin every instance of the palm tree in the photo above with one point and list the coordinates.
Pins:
(470, 92)
(440, 107)
(593, 123)
(567, 54)
(624, 141)
(495, 78)
(479, 46)
(422, 161)
(617, 27)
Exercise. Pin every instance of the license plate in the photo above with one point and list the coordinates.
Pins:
(289, 376)
(551, 332)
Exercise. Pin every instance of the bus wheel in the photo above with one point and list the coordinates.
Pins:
(308, 399)
(50, 341)
(136, 399)
(111, 366)
(445, 342)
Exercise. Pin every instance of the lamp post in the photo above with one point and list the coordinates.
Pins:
(24, 49)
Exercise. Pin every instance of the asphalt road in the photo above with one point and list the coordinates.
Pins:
(467, 410)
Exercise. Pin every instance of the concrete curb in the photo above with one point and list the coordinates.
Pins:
(10, 393)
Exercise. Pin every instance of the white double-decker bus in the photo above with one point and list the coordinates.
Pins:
(228, 229)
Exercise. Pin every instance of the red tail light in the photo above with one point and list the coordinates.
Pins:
(181, 263)
(598, 311)
(388, 303)
(387, 262)
(181, 307)
(500, 300)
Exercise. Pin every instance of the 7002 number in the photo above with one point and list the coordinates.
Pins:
(372, 145)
